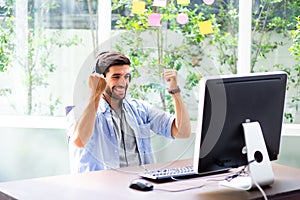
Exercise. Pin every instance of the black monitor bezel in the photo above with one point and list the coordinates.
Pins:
(223, 91)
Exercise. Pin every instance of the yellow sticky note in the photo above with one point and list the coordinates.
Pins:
(138, 7)
(160, 3)
(184, 2)
(205, 27)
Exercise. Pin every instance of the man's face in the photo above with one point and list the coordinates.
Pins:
(117, 79)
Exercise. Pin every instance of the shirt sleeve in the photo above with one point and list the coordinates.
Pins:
(161, 122)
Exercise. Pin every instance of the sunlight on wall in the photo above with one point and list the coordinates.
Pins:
(30, 153)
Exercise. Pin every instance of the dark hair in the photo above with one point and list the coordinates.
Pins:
(109, 58)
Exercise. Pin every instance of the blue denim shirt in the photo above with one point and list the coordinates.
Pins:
(101, 151)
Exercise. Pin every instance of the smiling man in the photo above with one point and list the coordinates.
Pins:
(113, 130)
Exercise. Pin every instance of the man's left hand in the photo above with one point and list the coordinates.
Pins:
(171, 77)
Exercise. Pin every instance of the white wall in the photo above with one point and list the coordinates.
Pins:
(32, 152)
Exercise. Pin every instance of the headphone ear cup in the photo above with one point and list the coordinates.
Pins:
(130, 77)
(94, 69)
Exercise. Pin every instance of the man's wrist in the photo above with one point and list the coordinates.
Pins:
(174, 91)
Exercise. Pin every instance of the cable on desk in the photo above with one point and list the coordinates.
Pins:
(180, 190)
(260, 189)
(243, 172)
(215, 179)
(122, 170)
(258, 186)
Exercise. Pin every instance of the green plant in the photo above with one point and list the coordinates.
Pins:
(294, 73)
(269, 17)
(38, 66)
(7, 36)
(162, 55)
(40, 46)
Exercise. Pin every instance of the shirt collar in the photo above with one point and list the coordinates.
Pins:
(105, 107)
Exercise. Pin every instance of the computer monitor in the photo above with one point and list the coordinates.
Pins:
(226, 105)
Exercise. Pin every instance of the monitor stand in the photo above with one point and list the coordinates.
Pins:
(259, 168)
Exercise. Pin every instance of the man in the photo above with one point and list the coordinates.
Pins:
(114, 131)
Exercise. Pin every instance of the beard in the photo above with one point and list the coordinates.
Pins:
(113, 95)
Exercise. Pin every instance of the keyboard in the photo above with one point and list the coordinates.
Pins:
(170, 173)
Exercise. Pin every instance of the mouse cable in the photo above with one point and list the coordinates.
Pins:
(180, 190)
(214, 179)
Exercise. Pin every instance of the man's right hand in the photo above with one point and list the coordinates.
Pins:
(84, 127)
(97, 84)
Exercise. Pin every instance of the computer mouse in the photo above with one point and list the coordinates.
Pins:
(141, 184)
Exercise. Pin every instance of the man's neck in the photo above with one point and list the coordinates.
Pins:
(114, 103)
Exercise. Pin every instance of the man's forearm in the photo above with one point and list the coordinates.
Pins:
(85, 125)
(182, 127)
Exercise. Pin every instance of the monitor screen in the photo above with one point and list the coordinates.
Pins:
(225, 102)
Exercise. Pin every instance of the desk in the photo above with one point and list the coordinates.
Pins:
(114, 184)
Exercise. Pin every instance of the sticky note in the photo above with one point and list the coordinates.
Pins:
(205, 27)
(209, 2)
(160, 3)
(183, 2)
(182, 18)
(138, 7)
(154, 19)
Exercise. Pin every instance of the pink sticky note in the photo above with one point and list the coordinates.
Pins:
(205, 27)
(209, 2)
(138, 7)
(184, 2)
(182, 18)
(160, 3)
(154, 19)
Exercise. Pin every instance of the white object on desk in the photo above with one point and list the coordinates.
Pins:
(259, 164)
(241, 182)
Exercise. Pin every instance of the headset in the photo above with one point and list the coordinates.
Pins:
(97, 69)
(102, 69)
